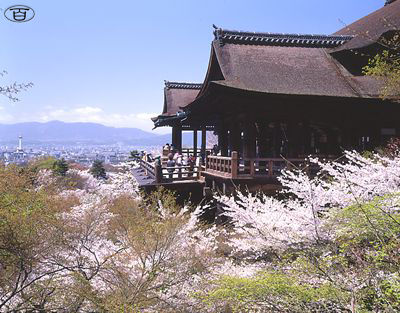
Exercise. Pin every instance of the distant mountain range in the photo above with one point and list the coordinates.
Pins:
(84, 133)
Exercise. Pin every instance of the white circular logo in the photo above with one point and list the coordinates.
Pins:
(19, 13)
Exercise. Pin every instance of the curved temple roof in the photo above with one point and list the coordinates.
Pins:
(176, 95)
(281, 64)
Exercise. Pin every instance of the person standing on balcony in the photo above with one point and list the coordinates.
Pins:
(179, 163)
(190, 163)
(170, 165)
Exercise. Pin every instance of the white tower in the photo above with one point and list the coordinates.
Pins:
(20, 143)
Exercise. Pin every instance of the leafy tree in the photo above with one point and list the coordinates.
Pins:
(98, 170)
(386, 66)
(60, 167)
(28, 217)
(134, 154)
(338, 231)
(42, 163)
(271, 291)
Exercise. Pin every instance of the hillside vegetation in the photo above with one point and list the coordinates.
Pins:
(74, 243)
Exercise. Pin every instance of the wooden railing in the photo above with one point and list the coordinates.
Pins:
(179, 173)
(233, 167)
(225, 166)
(169, 174)
(270, 167)
(149, 168)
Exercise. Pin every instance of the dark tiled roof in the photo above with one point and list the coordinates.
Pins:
(271, 39)
(369, 29)
(179, 85)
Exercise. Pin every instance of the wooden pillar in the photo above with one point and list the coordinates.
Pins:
(234, 138)
(332, 144)
(173, 143)
(350, 136)
(262, 140)
(158, 171)
(203, 142)
(307, 138)
(296, 138)
(223, 140)
(177, 137)
(234, 164)
(195, 143)
(375, 135)
(276, 140)
(249, 148)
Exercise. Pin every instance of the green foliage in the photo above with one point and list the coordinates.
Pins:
(44, 163)
(134, 154)
(272, 291)
(161, 197)
(359, 267)
(374, 221)
(98, 170)
(363, 257)
(386, 66)
(27, 216)
(60, 167)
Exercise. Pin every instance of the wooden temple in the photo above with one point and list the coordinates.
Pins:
(176, 96)
(274, 99)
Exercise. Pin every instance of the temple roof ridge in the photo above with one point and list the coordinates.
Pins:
(182, 85)
(279, 39)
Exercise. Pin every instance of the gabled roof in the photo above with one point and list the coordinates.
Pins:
(275, 39)
(285, 66)
(369, 29)
(177, 95)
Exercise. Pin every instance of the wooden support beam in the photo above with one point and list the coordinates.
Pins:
(195, 143)
(234, 164)
(173, 137)
(307, 149)
(223, 140)
(234, 138)
(177, 137)
(203, 142)
(262, 140)
(249, 144)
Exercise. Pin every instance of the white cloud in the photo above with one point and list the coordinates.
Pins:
(88, 110)
(6, 118)
(86, 114)
(98, 115)
(145, 116)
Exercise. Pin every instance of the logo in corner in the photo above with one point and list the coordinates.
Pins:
(19, 13)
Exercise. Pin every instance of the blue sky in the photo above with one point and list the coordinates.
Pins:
(105, 61)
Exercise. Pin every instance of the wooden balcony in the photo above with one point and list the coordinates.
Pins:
(166, 174)
(247, 168)
(231, 168)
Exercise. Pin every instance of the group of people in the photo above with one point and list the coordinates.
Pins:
(176, 159)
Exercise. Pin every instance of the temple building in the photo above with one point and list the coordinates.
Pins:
(176, 96)
(280, 97)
